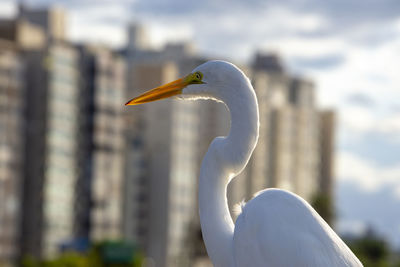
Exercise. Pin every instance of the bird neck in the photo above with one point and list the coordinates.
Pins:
(216, 222)
(225, 158)
(243, 135)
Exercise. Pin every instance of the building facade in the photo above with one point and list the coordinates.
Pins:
(73, 141)
(51, 20)
(49, 133)
(50, 162)
(327, 147)
(168, 140)
(99, 189)
(11, 148)
(287, 154)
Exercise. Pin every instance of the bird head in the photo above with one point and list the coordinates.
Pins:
(211, 80)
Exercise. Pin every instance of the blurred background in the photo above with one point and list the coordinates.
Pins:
(86, 181)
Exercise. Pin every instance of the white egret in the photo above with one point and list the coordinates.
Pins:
(275, 228)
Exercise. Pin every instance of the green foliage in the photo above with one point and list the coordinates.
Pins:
(322, 203)
(68, 259)
(373, 251)
(94, 257)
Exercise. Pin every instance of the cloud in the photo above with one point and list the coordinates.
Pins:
(343, 12)
(362, 22)
(109, 13)
(360, 121)
(351, 227)
(7, 9)
(360, 99)
(357, 120)
(322, 62)
(104, 34)
(313, 31)
(366, 174)
(378, 148)
(366, 70)
(370, 131)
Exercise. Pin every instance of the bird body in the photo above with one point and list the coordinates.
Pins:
(276, 228)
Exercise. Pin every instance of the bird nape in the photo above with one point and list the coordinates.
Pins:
(275, 228)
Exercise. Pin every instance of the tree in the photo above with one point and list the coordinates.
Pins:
(104, 254)
(372, 250)
(322, 203)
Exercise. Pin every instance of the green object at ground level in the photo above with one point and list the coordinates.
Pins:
(121, 253)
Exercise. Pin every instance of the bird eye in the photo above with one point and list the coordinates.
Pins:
(198, 76)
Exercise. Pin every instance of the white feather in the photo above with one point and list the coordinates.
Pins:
(238, 207)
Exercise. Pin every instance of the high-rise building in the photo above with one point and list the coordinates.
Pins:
(325, 197)
(137, 39)
(306, 139)
(51, 20)
(162, 154)
(11, 148)
(23, 34)
(288, 149)
(100, 186)
(50, 112)
(51, 143)
(290, 144)
(327, 146)
(50, 84)
(74, 140)
(169, 137)
(263, 169)
(268, 62)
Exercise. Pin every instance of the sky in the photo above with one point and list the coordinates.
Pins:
(351, 49)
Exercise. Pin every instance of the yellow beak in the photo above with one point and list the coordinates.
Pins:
(164, 91)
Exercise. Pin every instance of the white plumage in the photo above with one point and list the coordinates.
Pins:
(276, 228)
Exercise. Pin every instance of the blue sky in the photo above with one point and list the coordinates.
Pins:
(350, 48)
